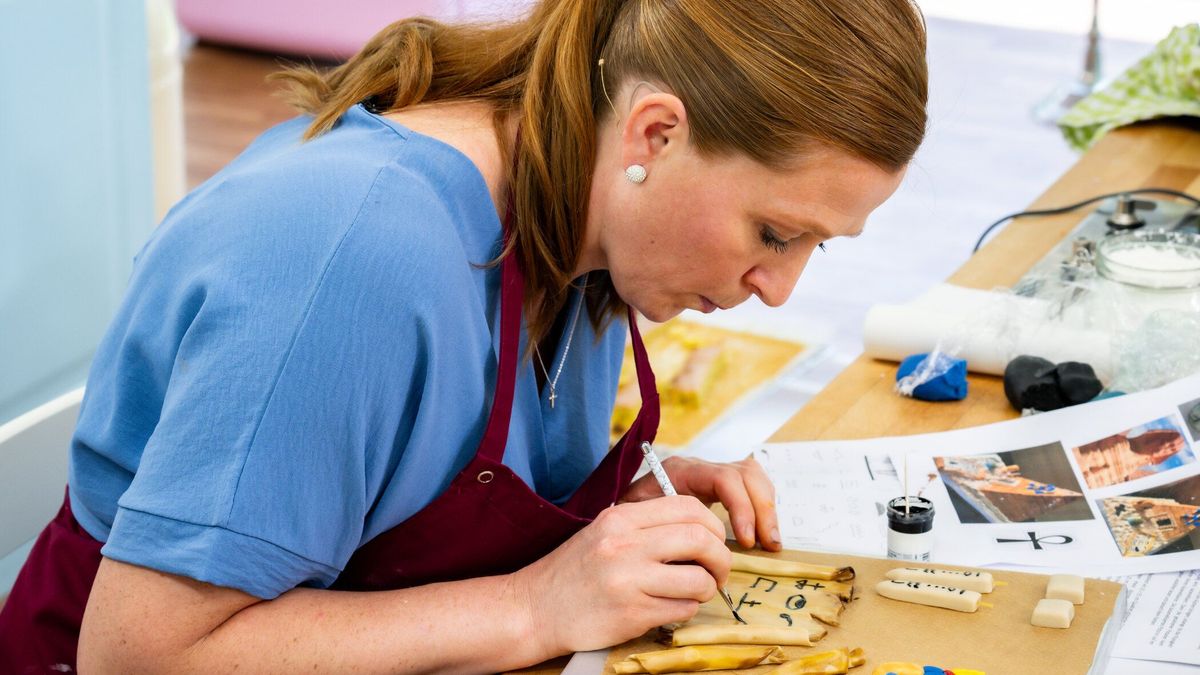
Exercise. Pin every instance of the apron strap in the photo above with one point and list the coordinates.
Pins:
(512, 292)
(648, 416)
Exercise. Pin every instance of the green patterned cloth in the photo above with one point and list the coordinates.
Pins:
(1166, 83)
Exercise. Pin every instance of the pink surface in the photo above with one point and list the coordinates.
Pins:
(322, 28)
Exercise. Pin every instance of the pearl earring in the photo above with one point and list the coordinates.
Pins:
(636, 173)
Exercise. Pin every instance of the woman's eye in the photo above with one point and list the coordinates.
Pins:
(772, 241)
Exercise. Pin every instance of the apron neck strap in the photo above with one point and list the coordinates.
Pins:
(647, 419)
(512, 296)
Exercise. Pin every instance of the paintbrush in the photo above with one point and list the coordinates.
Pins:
(664, 482)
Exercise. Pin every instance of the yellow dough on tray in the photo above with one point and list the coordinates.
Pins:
(803, 635)
(701, 370)
(789, 568)
(699, 658)
(833, 662)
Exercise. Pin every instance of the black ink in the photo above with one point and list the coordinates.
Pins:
(797, 601)
(769, 581)
(745, 600)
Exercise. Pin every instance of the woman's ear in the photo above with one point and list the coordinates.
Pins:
(656, 125)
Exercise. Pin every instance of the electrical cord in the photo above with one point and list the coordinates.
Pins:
(1072, 207)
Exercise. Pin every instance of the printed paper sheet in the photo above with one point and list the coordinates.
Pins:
(1113, 485)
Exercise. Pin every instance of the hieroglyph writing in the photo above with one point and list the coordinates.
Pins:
(1032, 538)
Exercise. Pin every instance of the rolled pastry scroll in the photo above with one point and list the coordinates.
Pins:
(801, 634)
(765, 608)
(833, 662)
(980, 582)
(699, 658)
(842, 590)
(958, 599)
(789, 568)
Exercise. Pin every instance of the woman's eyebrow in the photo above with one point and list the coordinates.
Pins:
(820, 230)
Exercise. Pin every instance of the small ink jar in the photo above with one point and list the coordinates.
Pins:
(910, 531)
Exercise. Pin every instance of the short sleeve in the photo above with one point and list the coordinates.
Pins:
(300, 365)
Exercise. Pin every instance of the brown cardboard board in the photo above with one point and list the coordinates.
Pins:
(997, 640)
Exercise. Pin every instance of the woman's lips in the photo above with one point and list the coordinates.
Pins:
(707, 306)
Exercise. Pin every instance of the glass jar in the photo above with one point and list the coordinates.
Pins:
(1149, 286)
(1153, 259)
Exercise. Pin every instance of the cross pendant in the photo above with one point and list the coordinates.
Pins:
(552, 397)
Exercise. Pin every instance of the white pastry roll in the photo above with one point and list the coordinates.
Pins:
(957, 599)
(980, 582)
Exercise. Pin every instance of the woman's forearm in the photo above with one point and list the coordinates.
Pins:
(476, 625)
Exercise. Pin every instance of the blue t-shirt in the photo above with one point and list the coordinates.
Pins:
(305, 358)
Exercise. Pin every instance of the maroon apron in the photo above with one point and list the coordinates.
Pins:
(39, 624)
(487, 522)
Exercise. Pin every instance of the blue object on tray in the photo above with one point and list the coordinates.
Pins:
(943, 378)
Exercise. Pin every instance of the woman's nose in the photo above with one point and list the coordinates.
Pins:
(774, 281)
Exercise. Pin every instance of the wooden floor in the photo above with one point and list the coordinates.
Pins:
(226, 104)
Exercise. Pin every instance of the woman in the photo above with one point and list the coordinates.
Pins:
(349, 417)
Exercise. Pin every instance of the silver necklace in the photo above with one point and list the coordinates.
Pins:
(566, 349)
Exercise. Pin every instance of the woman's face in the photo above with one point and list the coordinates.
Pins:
(707, 233)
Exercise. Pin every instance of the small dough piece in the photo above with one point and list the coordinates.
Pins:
(833, 662)
(957, 599)
(1053, 613)
(699, 658)
(980, 582)
(776, 567)
(1065, 587)
(741, 634)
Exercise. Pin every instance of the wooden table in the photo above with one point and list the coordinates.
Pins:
(860, 403)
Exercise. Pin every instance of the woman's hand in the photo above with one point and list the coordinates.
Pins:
(743, 487)
(614, 579)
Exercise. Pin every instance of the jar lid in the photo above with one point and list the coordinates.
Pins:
(910, 515)
(1157, 259)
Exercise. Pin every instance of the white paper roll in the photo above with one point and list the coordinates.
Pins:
(987, 329)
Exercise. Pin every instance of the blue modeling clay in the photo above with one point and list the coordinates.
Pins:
(948, 381)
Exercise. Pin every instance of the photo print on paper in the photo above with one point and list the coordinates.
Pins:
(1031, 485)
(1144, 450)
(1157, 521)
(1190, 412)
